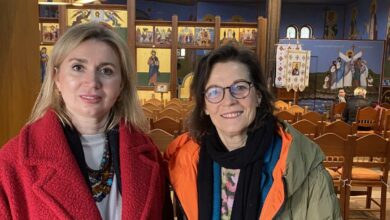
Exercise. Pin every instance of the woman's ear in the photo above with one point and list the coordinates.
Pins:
(259, 96)
(56, 78)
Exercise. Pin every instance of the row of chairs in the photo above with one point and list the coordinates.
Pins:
(349, 173)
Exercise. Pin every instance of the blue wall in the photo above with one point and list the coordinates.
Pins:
(310, 14)
(291, 13)
(164, 11)
(363, 7)
(249, 12)
(325, 51)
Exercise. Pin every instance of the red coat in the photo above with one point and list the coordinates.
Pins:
(40, 178)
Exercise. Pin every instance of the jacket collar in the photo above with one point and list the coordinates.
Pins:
(58, 181)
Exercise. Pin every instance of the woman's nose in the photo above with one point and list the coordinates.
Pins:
(92, 79)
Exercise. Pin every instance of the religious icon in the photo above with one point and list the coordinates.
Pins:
(44, 58)
(295, 70)
(154, 66)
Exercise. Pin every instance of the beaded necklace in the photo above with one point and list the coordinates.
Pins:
(101, 180)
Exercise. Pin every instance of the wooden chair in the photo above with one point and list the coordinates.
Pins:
(281, 105)
(372, 173)
(314, 117)
(384, 123)
(286, 116)
(307, 128)
(155, 101)
(161, 138)
(174, 105)
(170, 112)
(174, 101)
(296, 109)
(167, 124)
(151, 106)
(149, 113)
(335, 146)
(385, 105)
(366, 122)
(338, 127)
(337, 110)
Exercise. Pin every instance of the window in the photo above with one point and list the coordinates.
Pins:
(292, 31)
(306, 32)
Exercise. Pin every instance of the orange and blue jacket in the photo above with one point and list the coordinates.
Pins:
(299, 179)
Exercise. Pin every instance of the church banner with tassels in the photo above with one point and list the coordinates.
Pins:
(292, 67)
(297, 72)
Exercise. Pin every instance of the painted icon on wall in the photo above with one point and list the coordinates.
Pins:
(204, 36)
(144, 34)
(186, 35)
(50, 32)
(162, 34)
(44, 55)
(153, 66)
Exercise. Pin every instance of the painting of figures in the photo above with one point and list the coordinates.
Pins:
(204, 36)
(186, 35)
(144, 34)
(50, 32)
(248, 36)
(163, 34)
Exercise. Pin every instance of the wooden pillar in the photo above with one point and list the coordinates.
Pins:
(173, 80)
(19, 62)
(217, 29)
(131, 33)
(273, 22)
(261, 42)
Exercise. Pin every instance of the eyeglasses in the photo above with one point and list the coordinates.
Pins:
(238, 90)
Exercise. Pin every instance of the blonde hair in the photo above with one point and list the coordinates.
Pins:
(360, 91)
(127, 105)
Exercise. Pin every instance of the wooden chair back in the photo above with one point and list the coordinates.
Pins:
(337, 110)
(151, 106)
(167, 124)
(281, 105)
(286, 116)
(385, 105)
(170, 112)
(367, 119)
(149, 113)
(174, 105)
(161, 138)
(314, 117)
(307, 128)
(155, 101)
(294, 109)
(338, 127)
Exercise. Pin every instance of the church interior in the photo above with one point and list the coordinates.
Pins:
(308, 50)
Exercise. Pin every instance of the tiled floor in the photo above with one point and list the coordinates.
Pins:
(360, 202)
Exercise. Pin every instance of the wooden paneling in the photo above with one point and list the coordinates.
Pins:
(19, 63)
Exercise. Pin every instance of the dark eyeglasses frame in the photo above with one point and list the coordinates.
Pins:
(230, 91)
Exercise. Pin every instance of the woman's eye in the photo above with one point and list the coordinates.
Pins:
(77, 67)
(106, 71)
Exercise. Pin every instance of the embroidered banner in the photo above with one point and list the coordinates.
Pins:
(281, 63)
(297, 71)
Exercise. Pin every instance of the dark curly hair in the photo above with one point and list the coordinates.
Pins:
(199, 123)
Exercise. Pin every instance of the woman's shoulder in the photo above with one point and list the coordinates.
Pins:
(182, 146)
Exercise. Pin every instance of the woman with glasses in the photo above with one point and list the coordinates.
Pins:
(238, 161)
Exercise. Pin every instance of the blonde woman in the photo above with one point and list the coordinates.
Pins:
(84, 153)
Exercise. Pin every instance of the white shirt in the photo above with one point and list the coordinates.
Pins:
(110, 207)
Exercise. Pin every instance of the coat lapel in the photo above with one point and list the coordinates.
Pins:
(57, 179)
(140, 173)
